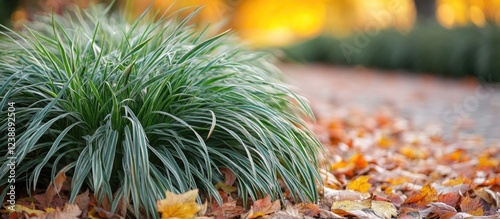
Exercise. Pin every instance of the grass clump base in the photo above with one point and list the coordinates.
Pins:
(133, 110)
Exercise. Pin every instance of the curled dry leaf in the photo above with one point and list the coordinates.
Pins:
(329, 180)
(55, 187)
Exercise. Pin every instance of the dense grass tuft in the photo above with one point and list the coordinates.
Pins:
(133, 110)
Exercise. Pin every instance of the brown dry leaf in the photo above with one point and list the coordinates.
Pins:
(265, 206)
(422, 198)
(310, 210)
(54, 187)
(409, 213)
(103, 213)
(473, 206)
(69, 212)
(438, 210)
(229, 209)
(179, 206)
(229, 176)
(450, 199)
(82, 200)
(490, 197)
(360, 184)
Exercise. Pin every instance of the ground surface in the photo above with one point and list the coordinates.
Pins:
(457, 108)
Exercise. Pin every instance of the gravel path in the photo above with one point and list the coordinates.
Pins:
(463, 108)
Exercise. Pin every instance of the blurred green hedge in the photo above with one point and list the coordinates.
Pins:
(428, 48)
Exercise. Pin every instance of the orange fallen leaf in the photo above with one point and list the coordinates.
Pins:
(458, 155)
(422, 198)
(360, 184)
(181, 206)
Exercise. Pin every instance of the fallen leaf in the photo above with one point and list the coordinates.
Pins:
(181, 206)
(409, 213)
(472, 206)
(422, 198)
(226, 188)
(332, 195)
(310, 210)
(349, 205)
(69, 212)
(449, 198)
(384, 208)
(438, 210)
(55, 187)
(360, 184)
(265, 206)
(329, 180)
(30, 210)
(82, 200)
(229, 176)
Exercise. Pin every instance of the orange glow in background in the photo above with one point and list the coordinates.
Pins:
(281, 22)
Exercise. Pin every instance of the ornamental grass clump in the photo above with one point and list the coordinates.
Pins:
(133, 110)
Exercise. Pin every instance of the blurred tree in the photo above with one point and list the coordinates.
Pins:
(426, 9)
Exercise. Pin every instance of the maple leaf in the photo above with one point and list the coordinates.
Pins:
(182, 206)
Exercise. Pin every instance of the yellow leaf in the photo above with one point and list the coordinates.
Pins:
(257, 215)
(360, 184)
(21, 208)
(226, 188)
(182, 206)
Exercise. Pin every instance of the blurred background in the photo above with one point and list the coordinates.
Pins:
(370, 51)
(446, 37)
